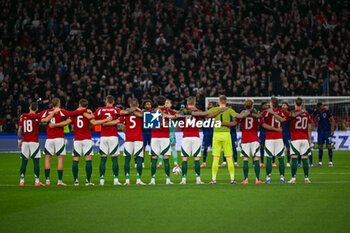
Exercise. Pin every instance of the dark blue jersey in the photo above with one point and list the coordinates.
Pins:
(209, 130)
(233, 131)
(286, 128)
(324, 120)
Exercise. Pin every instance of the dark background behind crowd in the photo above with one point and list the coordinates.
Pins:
(88, 49)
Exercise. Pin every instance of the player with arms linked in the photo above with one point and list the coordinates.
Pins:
(30, 147)
(82, 140)
(301, 139)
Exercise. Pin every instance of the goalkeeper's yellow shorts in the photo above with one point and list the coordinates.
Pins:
(222, 140)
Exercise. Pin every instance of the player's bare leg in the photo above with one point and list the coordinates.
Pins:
(167, 169)
(88, 170)
(103, 169)
(60, 159)
(154, 159)
(115, 168)
(75, 169)
(47, 168)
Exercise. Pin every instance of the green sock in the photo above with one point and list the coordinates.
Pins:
(23, 167)
(153, 167)
(184, 169)
(174, 153)
(103, 166)
(281, 165)
(167, 167)
(268, 166)
(294, 167)
(257, 169)
(305, 167)
(160, 158)
(47, 174)
(115, 166)
(60, 174)
(197, 168)
(127, 166)
(36, 168)
(139, 167)
(75, 170)
(245, 169)
(88, 170)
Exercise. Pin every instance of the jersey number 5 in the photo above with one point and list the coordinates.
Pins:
(132, 120)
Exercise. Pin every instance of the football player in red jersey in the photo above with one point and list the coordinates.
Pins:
(109, 138)
(250, 140)
(300, 128)
(30, 147)
(160, 143)
(274, 140)
(55, 143)
(133, 145)
(82, 140)
(191, 142)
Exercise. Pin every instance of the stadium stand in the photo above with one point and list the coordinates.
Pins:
(73, 49)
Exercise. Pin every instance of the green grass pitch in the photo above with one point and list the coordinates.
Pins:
(322, 206)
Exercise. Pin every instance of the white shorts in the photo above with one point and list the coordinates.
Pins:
(274, 147)
(30, 150)
(250, 148)
(160, 146)
(82, 147)
(109, 145)
(55, 146)
(135, 148)
(300, 147)
(191, 146)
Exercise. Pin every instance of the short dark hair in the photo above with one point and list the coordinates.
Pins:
(84, 103)
(167, 99)
(263, 103)
(110, 99)
(319, 104)
(274, 102)
(34, 106)
(298, 101)
(161, 100)
(285, 103)
(145, 102)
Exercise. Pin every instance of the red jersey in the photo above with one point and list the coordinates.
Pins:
(272, 121)
(81, 128)
(250, 129)
(133, 127)
(104, 113)
(299, 126)
(30, 129)
(162, 132)
(58, 132)
(190, 125)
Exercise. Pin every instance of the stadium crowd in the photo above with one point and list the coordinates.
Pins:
(73, 49)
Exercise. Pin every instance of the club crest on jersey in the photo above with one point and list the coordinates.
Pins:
(151, 120)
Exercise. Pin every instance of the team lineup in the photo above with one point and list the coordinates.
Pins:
(280, 130)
